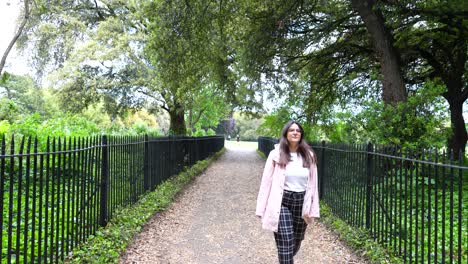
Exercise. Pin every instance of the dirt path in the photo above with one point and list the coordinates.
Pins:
(213, 221)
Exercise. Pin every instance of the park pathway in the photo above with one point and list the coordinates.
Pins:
(213, 221)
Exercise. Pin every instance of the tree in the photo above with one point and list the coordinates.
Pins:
(192, 48)
(325, 45)
(61, 35)
(172, 50)
(393, 86)
(22, 95)
(247, 126)
(433, 43)
(226, 127)
(19, 31)
(134, 54)
(206, 109)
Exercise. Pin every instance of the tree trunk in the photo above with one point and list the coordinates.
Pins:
(455, 97)
(177, 126)
(393, 85)
(459, 136)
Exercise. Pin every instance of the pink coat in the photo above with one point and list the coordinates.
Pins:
(271, 193)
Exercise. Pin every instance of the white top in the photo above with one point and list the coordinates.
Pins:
(296, 174)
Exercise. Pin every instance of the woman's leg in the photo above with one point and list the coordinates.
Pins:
(298, 237)
(285, 237)
(299, 225)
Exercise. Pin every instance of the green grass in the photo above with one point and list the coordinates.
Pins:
(232, 144)
(110, 242)
(261, 154)
(358, 239)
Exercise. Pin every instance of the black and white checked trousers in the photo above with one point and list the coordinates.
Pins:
(291, 227)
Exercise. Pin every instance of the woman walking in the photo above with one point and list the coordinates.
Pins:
(288, 196)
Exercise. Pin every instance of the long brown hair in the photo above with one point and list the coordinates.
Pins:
(303, 148)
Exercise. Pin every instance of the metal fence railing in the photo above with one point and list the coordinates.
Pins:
(266, 144)
(413, 202)
(55, 195)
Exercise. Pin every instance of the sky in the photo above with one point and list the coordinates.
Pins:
(9, 11)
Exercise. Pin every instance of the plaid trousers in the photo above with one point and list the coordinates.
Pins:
(291, 226)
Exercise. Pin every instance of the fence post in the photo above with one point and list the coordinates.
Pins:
(104, 181)
(370, 150)
(146, 178)
(322, 171)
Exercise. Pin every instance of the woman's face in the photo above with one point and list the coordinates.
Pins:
(294, 134)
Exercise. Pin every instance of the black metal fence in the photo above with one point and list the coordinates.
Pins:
(55, 195)
(414, 202)
(266, 144)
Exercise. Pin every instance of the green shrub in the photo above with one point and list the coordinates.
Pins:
(199, 133)
(210, 132)
(4, 126)
(358, 239)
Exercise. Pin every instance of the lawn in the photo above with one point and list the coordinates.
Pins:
(232, 144)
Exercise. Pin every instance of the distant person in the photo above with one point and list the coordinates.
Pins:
(238, 138)
(288, 198)
(229, 137)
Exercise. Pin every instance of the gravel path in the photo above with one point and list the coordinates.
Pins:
(213, 221)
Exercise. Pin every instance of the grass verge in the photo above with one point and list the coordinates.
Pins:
(109, 242)
(357, 239)
(261, 154)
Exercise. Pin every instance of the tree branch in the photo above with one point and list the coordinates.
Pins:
(17, 35)
(198, 117)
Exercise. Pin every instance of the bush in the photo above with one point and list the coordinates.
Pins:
(4, 126)
(357, 238)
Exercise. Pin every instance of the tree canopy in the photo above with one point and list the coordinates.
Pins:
(199, 61)
(352, 51)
